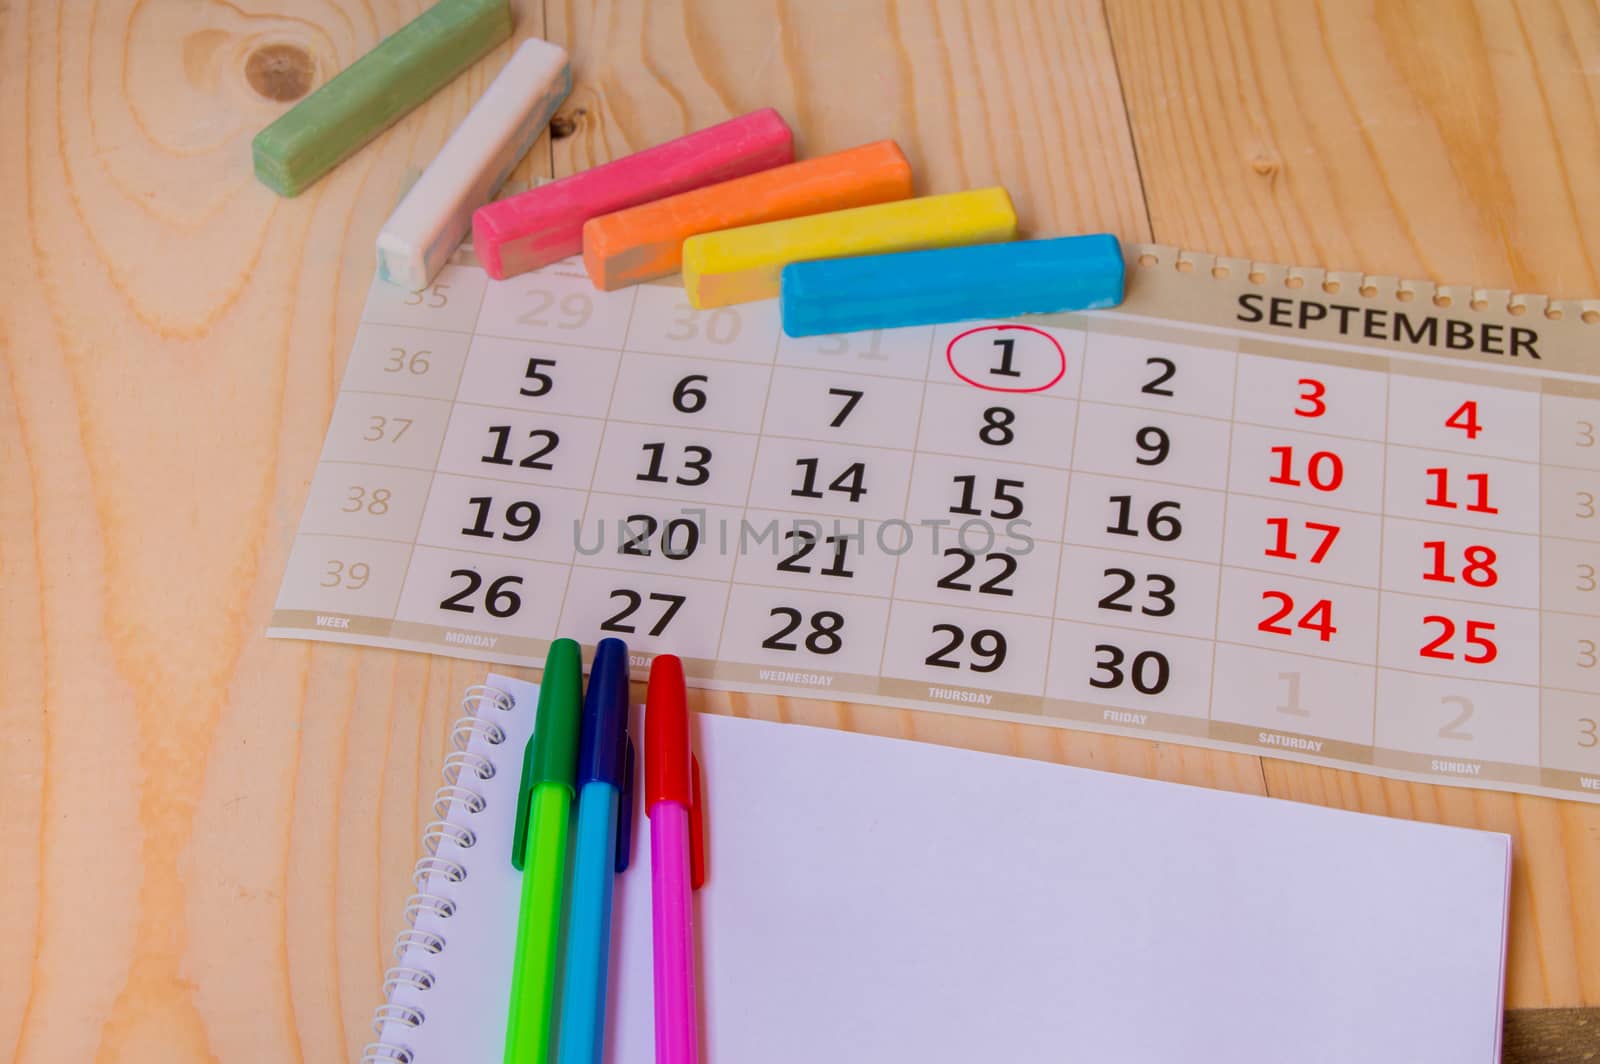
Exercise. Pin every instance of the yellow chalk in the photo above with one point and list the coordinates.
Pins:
(740, 265)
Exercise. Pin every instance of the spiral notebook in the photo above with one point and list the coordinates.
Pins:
(876, 899)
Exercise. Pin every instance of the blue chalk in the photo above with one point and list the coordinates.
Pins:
(951, 284)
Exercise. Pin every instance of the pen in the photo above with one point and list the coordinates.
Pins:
(605, 819)
(677, 857)
(539, 849)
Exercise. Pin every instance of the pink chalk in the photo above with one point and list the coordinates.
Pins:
(544, 224)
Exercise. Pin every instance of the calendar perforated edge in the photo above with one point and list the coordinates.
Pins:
(1372, 311)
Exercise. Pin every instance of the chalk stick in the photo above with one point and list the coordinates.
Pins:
(646, 241)
(375, 91)
(437, 211)
(952, 284)
(739, 265)
(544, 224)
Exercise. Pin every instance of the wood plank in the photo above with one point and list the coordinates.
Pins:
(214, 832)
(1451, 141)
(1552, 1036)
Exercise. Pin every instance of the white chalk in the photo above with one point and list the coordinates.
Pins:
(436, 213)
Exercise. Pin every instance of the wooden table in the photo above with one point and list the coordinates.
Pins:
(209, 835)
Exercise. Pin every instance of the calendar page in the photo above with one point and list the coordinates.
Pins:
(1334, 518)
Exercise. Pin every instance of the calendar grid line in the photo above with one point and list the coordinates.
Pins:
(1383, 531)
(1539, 746)
(594, 468)
(905, 500)
(1222, 539)
(1061, 561)
(744, 509)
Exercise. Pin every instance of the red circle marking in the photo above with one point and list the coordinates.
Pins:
(949, 358)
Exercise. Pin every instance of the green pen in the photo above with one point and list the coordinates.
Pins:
(539, 850)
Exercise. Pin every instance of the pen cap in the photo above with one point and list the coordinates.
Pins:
(554, 755)
(666, 735)
(604, 736)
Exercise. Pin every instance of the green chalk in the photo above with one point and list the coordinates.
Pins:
(377, 90)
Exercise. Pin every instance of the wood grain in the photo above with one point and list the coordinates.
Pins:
(212, 833)
(1444, 140)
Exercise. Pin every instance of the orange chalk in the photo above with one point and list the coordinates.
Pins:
(644, 242)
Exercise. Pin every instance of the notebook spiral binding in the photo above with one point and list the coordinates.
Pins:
(461, 763)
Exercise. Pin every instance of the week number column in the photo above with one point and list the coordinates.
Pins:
(366, 503)
(1570, 600)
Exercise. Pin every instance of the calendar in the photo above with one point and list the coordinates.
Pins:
(1335, 518)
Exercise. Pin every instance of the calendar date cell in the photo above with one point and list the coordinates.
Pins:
(1023, 429)
(841, 408)
(785, 628)
(1473, 565)
(1303, 467)
(556, 304)
(664, 323)
(1467, 640)
(695, 464)
(1016, 580)
(1311, 397)
(1116, 589)
(1443, 488)
(902, 353)
(985, 505)
(540, 448)
(654, 613)
(548, 377)
(1298, 616)
(1451, 415)
(1570, 503)
(497, 517)
(1570, 428)
(1008, 359)
(1134, 670)
(1283, 692)
(832, 479)
(1569, 652)
(1570, 733)
(941, 646)
(644, 534)
(1183, 378)
(828, 554)
(507, 596)
(1315, 542)
(1144, 445)
(688, 393)
(1134, 517)
(1456, 723)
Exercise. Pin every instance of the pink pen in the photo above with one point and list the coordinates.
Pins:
(677, 857)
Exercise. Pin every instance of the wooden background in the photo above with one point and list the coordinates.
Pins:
(208, 836)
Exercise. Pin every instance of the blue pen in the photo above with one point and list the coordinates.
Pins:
(605, 821)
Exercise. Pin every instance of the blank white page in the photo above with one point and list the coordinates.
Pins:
(881, 900)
